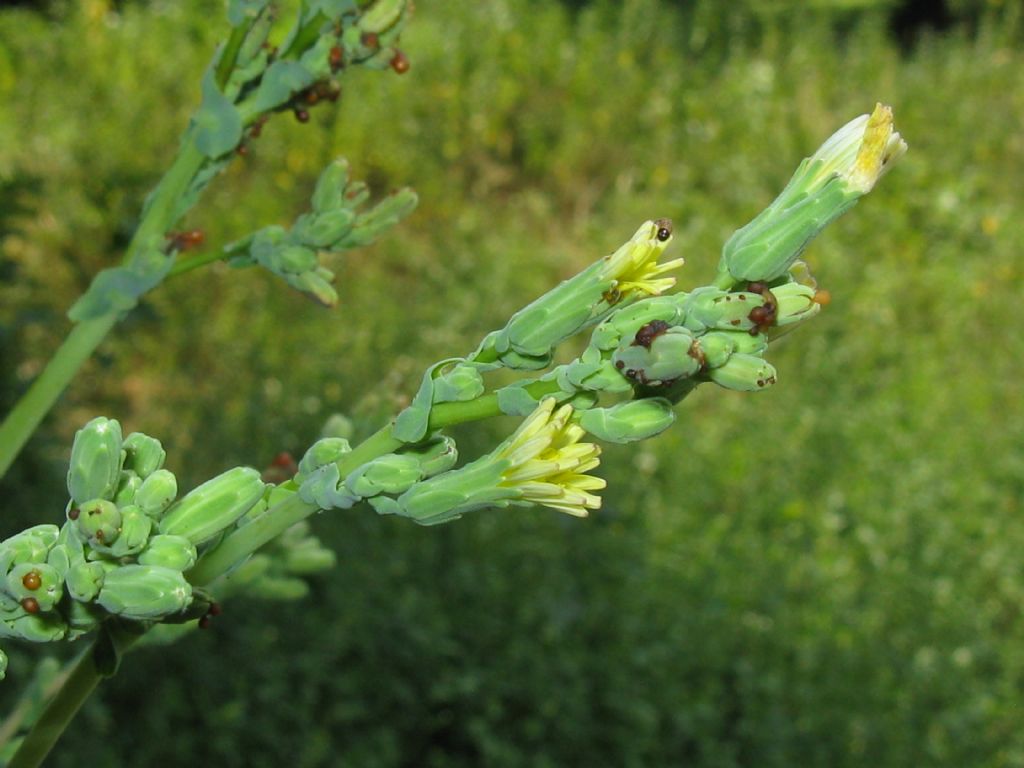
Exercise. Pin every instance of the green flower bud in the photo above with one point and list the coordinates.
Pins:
(324, 451)
(323, 230)
(330, 187)
(144, 592)
(38, 627)
(84, 580)
(38, 581)
(796, 303)
(657, 355)
(30, 546)
(381, 16)
(824, 187)
(438, 455)
(337, 425)
(630, 421)
(143, 454)
(135, 529)
(310, 558)
(710, 308)
(95, 461)
(126, 488)
(717, 346)
(99, 523)
(175, 552)
(625, 322)
(372, 224)
(317, 284)
(59, 559)
(3, 664)
(156, 493)
(293, 259)
(459, 383)
(391, 473)
(326, 488)
(279, 588)
(214, 506)
(744, 373)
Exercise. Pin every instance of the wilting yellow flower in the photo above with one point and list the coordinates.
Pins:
(634, 267)
(861, 151)
(547, 462)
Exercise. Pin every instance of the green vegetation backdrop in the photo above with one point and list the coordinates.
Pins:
(825, 574)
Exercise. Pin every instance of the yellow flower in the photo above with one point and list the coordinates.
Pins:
(634, 267)
(861, 151)
(548, 464)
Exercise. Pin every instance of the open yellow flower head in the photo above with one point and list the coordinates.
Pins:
(547, 463)
(634, 267)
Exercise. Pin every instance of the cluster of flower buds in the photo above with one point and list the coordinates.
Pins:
(335, 224)
(125, 545)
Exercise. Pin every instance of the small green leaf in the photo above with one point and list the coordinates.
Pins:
(217, 124)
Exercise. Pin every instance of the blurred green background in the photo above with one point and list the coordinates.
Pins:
(826, 574)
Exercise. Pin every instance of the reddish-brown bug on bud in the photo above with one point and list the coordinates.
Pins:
(400, 62)
(30, 604)
(336, 58)
(182, 241)
(302, 115)
(32, 580)
(370, 40)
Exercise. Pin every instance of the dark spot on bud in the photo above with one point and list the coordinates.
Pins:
(95, 511)
(648, 333)
(302, 115)
(762, 316)
(756, 287)
(336, 58)
(697, 353)
(741, 296)
(735, 322)
(612, 296)
(99, 535)
(32, 580)
(30, 604)
(312, 97)
(619, 364)
(400, 62)
(370, 40)
(760, 382)
(73, 513)
(664, 229)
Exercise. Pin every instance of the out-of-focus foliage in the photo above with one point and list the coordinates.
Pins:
(825, 574)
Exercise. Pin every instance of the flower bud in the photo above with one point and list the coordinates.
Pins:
(144, 592)
(214, 506)
(135, 529)
(37, 627)
(38, 581)
(330, 187)
(126, 488)
(710, 308)
(658, 357)
(84, 580)
(95, 461)
(717, 346)
(99, 523)
(744, 373)
(391, 473)
(630, 421)
(30, 546)
(796, 303)
(323, 230)
(156, 493)
(326, 450)
(824, 187)
(175, 552)
(143, 454)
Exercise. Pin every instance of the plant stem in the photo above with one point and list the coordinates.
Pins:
(30, 409)
(158, 217)
(82, 680)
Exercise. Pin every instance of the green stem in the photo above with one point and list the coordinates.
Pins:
(159, 216)
(30, 409)
(80, 683)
